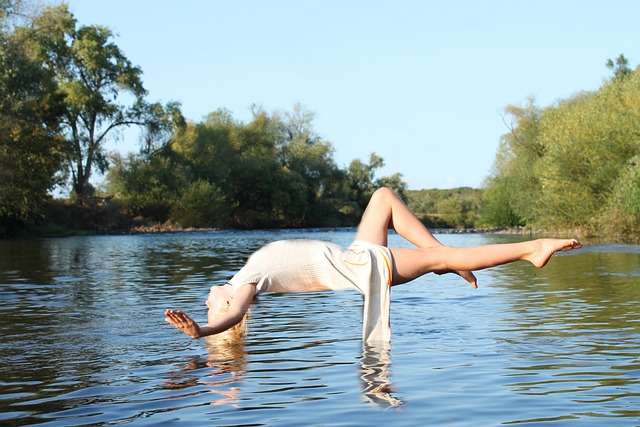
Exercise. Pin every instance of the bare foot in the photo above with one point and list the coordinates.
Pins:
(469, 277)
(466, 275)
(545, 248)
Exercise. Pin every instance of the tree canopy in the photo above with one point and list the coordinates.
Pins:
(65, 90)
(31, 148)
(102, 90)
(274, 171)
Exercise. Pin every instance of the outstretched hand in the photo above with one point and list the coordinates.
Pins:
(183, 322)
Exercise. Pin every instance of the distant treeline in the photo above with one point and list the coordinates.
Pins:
(454, 208)
(66, 89)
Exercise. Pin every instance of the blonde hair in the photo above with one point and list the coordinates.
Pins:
(236, 333)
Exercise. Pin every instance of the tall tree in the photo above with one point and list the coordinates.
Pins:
(361, 182)
(620, 67)
(314, 181)
(103, 90)
(30, 146)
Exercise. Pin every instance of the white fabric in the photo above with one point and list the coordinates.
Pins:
(311, 265)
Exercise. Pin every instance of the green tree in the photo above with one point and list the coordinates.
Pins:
(30, 149)
(16, 13)
(460, 208)
(201, 205)
(620, 67)
(572, 164)
(274, 171)
(209, 148)
(103, 91)
(497, 208)
(360, 179)
(257, 184)
(514, 186)
(444, 208)
(361, 182)
(395, 182)
(590, 139)
(312, 178)
(148, 187)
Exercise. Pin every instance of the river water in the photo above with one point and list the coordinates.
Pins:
(84, 342)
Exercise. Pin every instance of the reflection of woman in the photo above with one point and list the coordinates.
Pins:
(376, 384)
(227, 359)
(368, 266)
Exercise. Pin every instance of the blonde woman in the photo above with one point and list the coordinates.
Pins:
(367, 266)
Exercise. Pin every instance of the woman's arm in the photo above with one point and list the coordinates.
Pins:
(240, 304)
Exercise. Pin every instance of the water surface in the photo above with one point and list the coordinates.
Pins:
(83, 340)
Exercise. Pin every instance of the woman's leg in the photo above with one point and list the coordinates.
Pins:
(385, 208)
(410, 263)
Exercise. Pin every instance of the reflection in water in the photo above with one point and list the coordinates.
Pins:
(226, 366)
(376, 384)
(571, 335)
(564, 299)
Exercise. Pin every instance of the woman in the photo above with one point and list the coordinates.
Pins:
(368, 266)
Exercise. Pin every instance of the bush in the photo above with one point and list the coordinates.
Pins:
(202, 205)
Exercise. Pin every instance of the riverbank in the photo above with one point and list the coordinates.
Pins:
(170, 227)
(63, 219)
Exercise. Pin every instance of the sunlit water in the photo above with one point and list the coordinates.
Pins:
(84, 340)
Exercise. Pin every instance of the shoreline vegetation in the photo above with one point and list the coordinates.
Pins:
(172, 228)
(67, 220)
(54, 231)
(525, 231)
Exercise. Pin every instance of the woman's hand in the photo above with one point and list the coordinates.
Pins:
(182, 321)
(237, 310)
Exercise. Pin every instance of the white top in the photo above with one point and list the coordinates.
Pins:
(311, 265)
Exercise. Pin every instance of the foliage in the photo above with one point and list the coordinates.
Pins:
(620, 67)
(31, 150)
(68, 88)
(201, 205)
(572, 164)
(102, 90)
(147, 188)
(514, 182)
(274, 171)
(452, 208)
(361, 182)
(497, 207)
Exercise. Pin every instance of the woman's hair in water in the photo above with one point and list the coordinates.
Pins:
(236, 333)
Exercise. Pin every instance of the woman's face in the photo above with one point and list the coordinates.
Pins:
(210, 302)
(218, 301)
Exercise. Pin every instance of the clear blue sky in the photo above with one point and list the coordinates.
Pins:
(421, 83)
